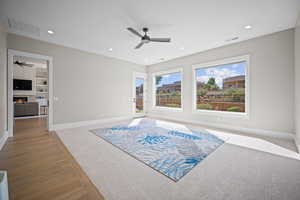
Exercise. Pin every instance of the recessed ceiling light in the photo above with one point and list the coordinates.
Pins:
(110, 49)
(181, 48)
(50, 32)
(248, 27)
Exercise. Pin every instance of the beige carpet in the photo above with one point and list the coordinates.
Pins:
(243, 168)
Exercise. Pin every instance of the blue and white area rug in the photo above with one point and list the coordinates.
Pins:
(170, 148)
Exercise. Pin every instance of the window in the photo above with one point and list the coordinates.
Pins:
(222, 86)
(167, 89)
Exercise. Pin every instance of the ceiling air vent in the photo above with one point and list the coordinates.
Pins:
(232, 39)
(23, 28)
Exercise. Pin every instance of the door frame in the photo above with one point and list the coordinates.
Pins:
(10, 106)
(135, 76)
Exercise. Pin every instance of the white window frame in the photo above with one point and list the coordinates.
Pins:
(161, 73)
(244, 115)
(143, 76)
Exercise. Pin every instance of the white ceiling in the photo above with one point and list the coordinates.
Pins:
(196, 25)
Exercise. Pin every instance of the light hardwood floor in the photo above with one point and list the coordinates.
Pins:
(40, 167)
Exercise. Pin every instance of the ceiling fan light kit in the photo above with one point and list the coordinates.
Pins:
(145, 38)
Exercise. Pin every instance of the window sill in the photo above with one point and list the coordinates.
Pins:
(225, 114)
(161, 108)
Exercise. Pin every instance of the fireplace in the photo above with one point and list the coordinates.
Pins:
(20, 99)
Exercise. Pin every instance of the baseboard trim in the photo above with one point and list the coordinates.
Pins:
(297, 142)
(89, 122)
(3, 140)
(258, 132)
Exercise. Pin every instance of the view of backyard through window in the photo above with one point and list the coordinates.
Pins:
(221, 88)
(139, 95)
(168, 90)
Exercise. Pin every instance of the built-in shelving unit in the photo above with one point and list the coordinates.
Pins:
(42, 90)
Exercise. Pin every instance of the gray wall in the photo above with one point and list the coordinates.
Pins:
(271, 82)
(297, 79)
(3, 58)
(88, 86)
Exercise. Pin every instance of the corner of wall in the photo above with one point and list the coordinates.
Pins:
(3, 61)
(297, 82)
(297, 143)
(298, 20)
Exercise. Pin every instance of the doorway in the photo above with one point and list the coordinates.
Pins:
(139, 94)
(30, 91)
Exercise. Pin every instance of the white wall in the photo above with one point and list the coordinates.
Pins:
(297, 80)
(3, 58)
(88, 86)
(271, 82)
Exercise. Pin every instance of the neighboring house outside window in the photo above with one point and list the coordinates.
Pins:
(234, 82)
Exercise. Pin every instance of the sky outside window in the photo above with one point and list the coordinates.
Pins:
(169, 79)
(220, 72)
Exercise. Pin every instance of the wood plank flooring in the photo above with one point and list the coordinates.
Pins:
(40, 167)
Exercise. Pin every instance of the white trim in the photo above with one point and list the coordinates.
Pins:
(246, 114)
(172, 109)
(297, 142)
(143, 76)
(50, 93)
(10, 114)
(153, 75)
(253, 131)
(10, 106)
(3, 139)
(89, 122)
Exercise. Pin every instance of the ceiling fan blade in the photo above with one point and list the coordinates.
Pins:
(134, 32)
(28, 65)
(139, 45)
(22, 64)
(160, 39)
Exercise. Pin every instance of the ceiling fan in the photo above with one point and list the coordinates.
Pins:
(145, 38)
(23, 64)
